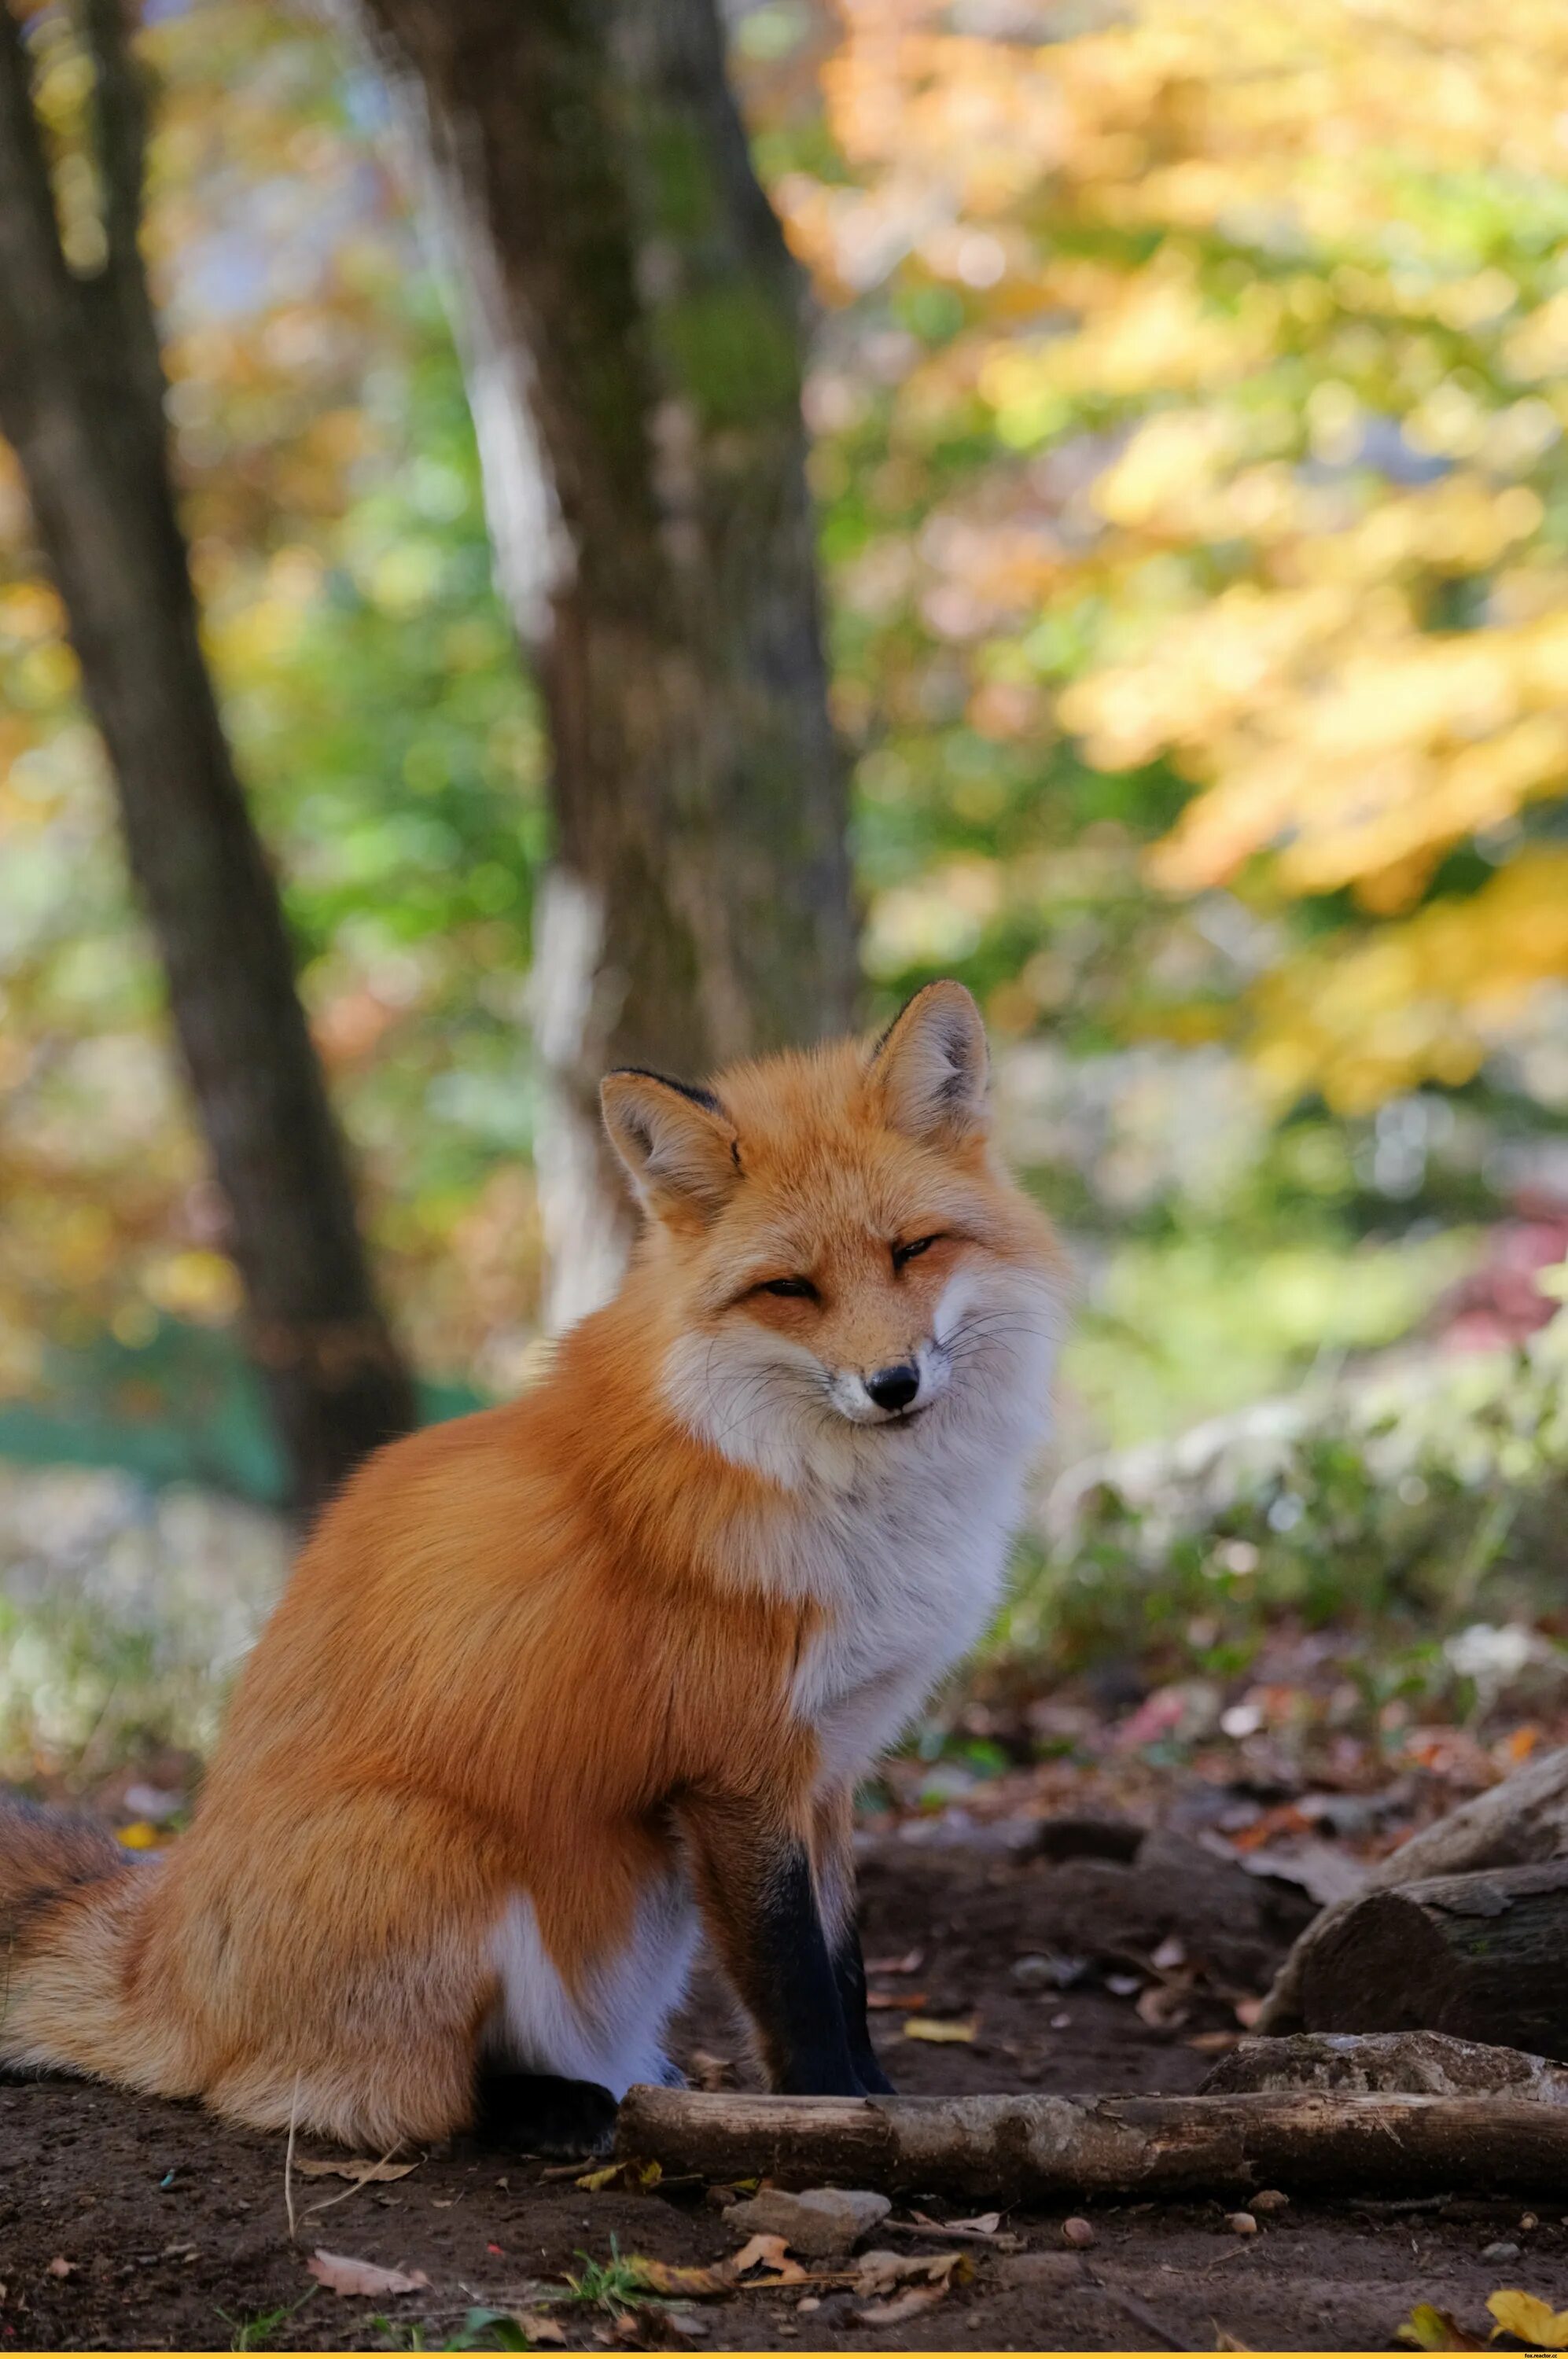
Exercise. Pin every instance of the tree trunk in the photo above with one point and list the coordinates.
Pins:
(1062, 2149)
(1481, 1957)
(1522, 1821)
(634, 359)
(81, 392)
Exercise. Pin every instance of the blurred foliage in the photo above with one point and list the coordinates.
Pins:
(1191, 420)
(1188, 433)
(1413, 1523)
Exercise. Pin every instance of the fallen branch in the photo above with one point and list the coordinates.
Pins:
(1051, 2150)
(1521, 1823)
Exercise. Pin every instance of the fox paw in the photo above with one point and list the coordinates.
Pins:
(542, 2114)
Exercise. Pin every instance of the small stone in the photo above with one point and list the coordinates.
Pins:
(1077, 2232)
(1500, 2251)
(1041, 2272)
(1241, 2223)
(816, 2224)
(1528, 2220)
(1032, 1973)
(720, 2199)
(1269, 2199)
(810, 2301)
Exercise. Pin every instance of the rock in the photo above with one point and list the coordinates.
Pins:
(1501, 2252)
(1041, 2272)
(1077, 2232)
(818, 2222)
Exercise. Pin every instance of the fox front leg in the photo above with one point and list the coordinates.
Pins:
(833, 1859)
(760, 1898)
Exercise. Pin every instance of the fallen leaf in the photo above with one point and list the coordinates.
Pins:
(895, 1998)
(940, 2034)
(1325, 1872)
(536, 2328)
(985, 2224)
(764, 2260)
(878, 2273)
(1430, 2329)
(667, 2277)
(901, 2305)
(61, 2268)
(1212, 2043)
(140, 1835)
(913, 2283)
(339, 2274)
(361, 2172)
(593, 2180)
(1530, 2321)
(1164, 2007)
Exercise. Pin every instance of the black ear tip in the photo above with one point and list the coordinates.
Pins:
(693, 1092)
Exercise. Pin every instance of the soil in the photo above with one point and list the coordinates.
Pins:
(175, 2232)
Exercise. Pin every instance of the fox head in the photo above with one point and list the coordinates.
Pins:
(845, 1269)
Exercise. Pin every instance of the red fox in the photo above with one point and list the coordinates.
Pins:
(556, 1684)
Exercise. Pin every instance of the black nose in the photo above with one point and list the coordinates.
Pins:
(894, 1387)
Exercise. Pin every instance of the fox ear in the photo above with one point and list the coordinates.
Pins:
(932, 1066)
(677, 1142)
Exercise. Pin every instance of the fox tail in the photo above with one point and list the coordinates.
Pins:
(69, 1900)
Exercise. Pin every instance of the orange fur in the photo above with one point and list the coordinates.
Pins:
(556, 1653)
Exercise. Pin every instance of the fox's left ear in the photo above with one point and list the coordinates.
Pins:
(677, 1142)
(934, 1069)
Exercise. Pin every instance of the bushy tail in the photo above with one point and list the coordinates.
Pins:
(65, 1886)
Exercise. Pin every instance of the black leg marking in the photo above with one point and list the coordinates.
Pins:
(849, 1973)
(539, 2112)
(797, 2003)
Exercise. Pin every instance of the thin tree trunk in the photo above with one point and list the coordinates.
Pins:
(634, 335)
(82, 391)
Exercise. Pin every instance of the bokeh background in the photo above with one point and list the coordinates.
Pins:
(1187, 398)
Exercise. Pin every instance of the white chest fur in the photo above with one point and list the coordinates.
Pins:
(908, 1574)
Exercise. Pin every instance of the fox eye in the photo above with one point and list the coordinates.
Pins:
(799, 1289)
(901, 1254)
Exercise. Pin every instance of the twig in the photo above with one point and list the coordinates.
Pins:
(353, 2186)
(288, 2160)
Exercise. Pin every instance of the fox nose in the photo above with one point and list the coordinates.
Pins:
(894, 1387)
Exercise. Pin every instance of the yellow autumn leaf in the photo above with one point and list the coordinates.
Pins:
(940, 2034)
(1530, 2319)
(594, 2181)
(140, 1835)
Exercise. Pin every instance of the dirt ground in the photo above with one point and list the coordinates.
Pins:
(133, 2224)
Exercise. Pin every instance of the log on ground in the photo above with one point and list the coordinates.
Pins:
(1062, 2149)
(1520, 1822)
(1379, 2063)
(1481, 1957)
